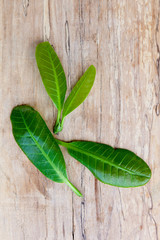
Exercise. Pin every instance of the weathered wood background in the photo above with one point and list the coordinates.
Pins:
(122, 39)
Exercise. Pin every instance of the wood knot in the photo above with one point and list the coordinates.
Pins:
(157, 109)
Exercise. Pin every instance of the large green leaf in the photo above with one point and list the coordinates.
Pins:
(80, 91)
(36, 141)
(118, 167)
(52, 73)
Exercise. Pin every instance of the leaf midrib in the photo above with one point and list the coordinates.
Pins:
(43, 152)
(58, 89)
(103, 159)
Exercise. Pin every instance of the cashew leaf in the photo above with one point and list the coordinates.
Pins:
(36, 141)
(52, 74)
(117, 167)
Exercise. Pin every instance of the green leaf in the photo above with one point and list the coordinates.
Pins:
(36, 141)
(52, 74)
(79, 92)
(117, 167)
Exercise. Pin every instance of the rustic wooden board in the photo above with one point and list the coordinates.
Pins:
(122, 39)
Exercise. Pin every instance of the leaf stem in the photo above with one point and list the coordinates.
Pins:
(62, 122)
(64, 144)
(58, 127)
(74, 189)
(58, 117)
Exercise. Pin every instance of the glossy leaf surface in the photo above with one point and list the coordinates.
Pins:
(52, 73)
(36, 141)
(80, 91)
(118, 167)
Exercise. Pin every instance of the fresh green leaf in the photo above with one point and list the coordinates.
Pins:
(79, 92)
(36, 141)
(117, 167)
(52, 74)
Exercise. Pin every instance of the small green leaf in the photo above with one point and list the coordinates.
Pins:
(36, 141)
(79, 92)
(117, 167)
(52, 74)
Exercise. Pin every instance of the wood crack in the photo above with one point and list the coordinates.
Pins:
(157, 109)
(25, 7)
(73, 230)
(151, 216)
(83, 220)
(67, 48)
(46, 21)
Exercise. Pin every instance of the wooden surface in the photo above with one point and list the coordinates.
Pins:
(122, 39)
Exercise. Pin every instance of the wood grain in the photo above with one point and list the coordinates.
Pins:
(122, 39)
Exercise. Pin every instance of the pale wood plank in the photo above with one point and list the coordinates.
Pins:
(121, 38)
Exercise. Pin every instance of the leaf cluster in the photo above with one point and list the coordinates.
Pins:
(117, 167)
(54, 80)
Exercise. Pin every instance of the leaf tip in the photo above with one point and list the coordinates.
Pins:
(93, 68)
